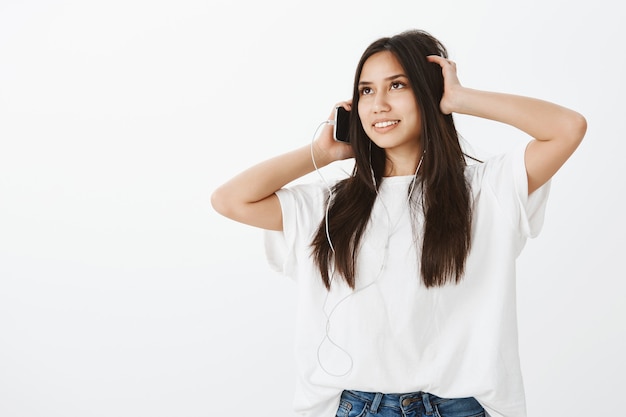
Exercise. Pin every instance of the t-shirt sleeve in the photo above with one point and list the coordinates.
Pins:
(506, 175)
(302, 210)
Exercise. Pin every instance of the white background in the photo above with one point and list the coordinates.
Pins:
(122, 293)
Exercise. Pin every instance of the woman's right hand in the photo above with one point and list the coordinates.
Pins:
(326, 148)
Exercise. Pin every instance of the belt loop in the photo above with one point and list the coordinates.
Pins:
(377, 399)
(427, 405)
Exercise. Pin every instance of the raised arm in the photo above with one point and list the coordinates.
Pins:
(557, 131)
(250, 196)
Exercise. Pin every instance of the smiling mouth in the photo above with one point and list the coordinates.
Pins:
(386, 124)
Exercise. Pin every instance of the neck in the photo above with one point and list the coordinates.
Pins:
(402, 163)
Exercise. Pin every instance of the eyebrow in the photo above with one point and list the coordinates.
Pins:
(390, 78)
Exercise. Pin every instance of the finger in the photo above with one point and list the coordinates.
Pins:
(436, 59)
(345, 104)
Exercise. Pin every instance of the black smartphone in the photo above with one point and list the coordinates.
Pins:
(340, 130)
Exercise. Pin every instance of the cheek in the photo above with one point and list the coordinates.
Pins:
(363, 124)
(413, 114)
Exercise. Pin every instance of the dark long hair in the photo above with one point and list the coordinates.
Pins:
(446, 194)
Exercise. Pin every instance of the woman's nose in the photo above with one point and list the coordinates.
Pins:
(381, 103)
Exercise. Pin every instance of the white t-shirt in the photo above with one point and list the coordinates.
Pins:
(392, 334)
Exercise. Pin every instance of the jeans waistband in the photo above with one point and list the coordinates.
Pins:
(403, 401)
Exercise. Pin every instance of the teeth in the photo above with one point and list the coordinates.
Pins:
(385, 124)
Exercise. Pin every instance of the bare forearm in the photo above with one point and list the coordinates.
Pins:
(540, 119)
(250, 196)
(267, 177)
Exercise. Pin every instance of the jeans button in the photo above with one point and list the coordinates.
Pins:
(406, 402)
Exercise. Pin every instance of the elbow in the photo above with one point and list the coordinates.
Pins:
(219, 202)
(577, 129)
(570, 132)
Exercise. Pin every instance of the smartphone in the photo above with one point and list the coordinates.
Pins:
(340, 129)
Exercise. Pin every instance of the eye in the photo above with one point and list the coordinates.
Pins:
(397, 85)
(366, 90)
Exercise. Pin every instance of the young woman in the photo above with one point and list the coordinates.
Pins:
(406, 269)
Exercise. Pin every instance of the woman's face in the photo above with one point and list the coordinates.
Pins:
(387, 105)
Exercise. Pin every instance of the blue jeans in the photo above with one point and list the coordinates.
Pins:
(415, 404)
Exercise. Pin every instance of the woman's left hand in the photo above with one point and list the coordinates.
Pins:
(451, 83)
